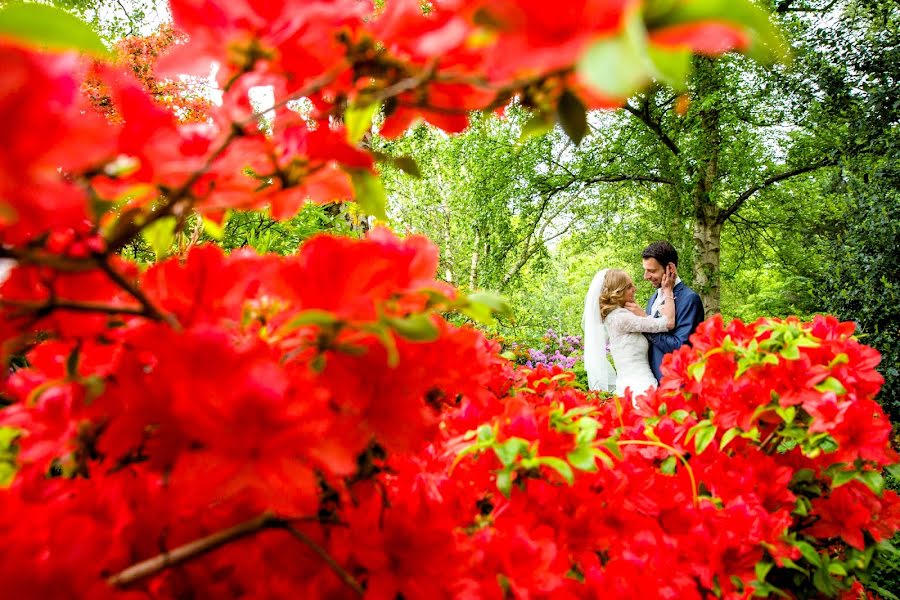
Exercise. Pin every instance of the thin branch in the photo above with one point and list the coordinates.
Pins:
(55, 261)
(344, 576)
(127, 16)
(75, 305)
(786, 6)
(736, 205)
(135, 292)
(635, 178)
(191, 550)
(643, 115)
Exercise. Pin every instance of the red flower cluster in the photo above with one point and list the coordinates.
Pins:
(313, 426)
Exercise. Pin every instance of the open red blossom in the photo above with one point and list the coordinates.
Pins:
(532, 38)
(710, 38)
(295, 39)
(851, 510)
(352, 278)
(48, 127)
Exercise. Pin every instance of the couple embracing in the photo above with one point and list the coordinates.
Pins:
(636, 338)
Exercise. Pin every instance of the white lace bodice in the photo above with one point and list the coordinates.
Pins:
(628, 347)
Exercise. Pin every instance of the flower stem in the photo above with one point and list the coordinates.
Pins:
(694, 490)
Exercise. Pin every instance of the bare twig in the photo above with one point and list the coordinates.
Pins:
(725, 214)
(191, 550)
(643, 115)
(329, 560)
(150, 309)
(74, 305)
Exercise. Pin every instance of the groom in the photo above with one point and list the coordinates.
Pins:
(659, 258)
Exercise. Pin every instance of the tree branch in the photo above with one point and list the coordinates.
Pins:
(736, 205)
(150, 309)
(643, 115)
(344, 576)
(193, 549)
(635, 178)
(74, 305)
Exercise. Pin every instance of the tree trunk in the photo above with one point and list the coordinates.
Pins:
(707, 247)
(707, 228)
(473, 266)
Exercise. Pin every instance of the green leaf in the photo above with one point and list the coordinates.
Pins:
(603, 457)
(49, 27)
(492, 300)
(618, 66)
(504, 482)
(696, 429)
(408, 165)
(679, 415)
(538, 124)
(160, 234)
(358, 120)
(572, 116)
(418, 327)
(792, 565)
(787, 413)
(668, 466)
(873, 480)
(673, 66)
(482, 306)
(762, 569)
(832, 385)
(582, 458)
(894, 470)
(791, 352)
(485, 433)
(72, 363)
(728, 436)
(587, 430)
(560, 466)
(510, 449)
(613, 448)
(842, 477)
(837, 568)
(704, 438)
(823, 582)
(314, 316)
(696, 370)
(809, 553)
(369, 193)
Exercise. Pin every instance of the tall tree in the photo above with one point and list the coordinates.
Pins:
(741, 140)
(479, 197)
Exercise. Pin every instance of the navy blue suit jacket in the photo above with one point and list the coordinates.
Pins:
(688, 314)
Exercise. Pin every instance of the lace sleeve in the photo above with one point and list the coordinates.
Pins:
(624, 320)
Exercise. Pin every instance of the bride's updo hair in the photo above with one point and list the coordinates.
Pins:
(612, 296)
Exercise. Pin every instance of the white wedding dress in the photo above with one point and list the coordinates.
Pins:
(629, 347)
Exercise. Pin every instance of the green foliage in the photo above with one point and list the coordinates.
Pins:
(115, 20)
(863, 282)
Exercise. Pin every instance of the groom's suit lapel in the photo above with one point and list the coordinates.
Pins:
(675, 291)
(651, 301)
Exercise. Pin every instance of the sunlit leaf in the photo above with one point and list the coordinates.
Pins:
(49, 27)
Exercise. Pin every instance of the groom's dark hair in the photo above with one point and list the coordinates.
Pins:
(662, 251)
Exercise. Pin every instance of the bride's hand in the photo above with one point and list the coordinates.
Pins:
(634, 308)
(668, 280)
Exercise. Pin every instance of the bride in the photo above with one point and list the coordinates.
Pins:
(611, 314)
